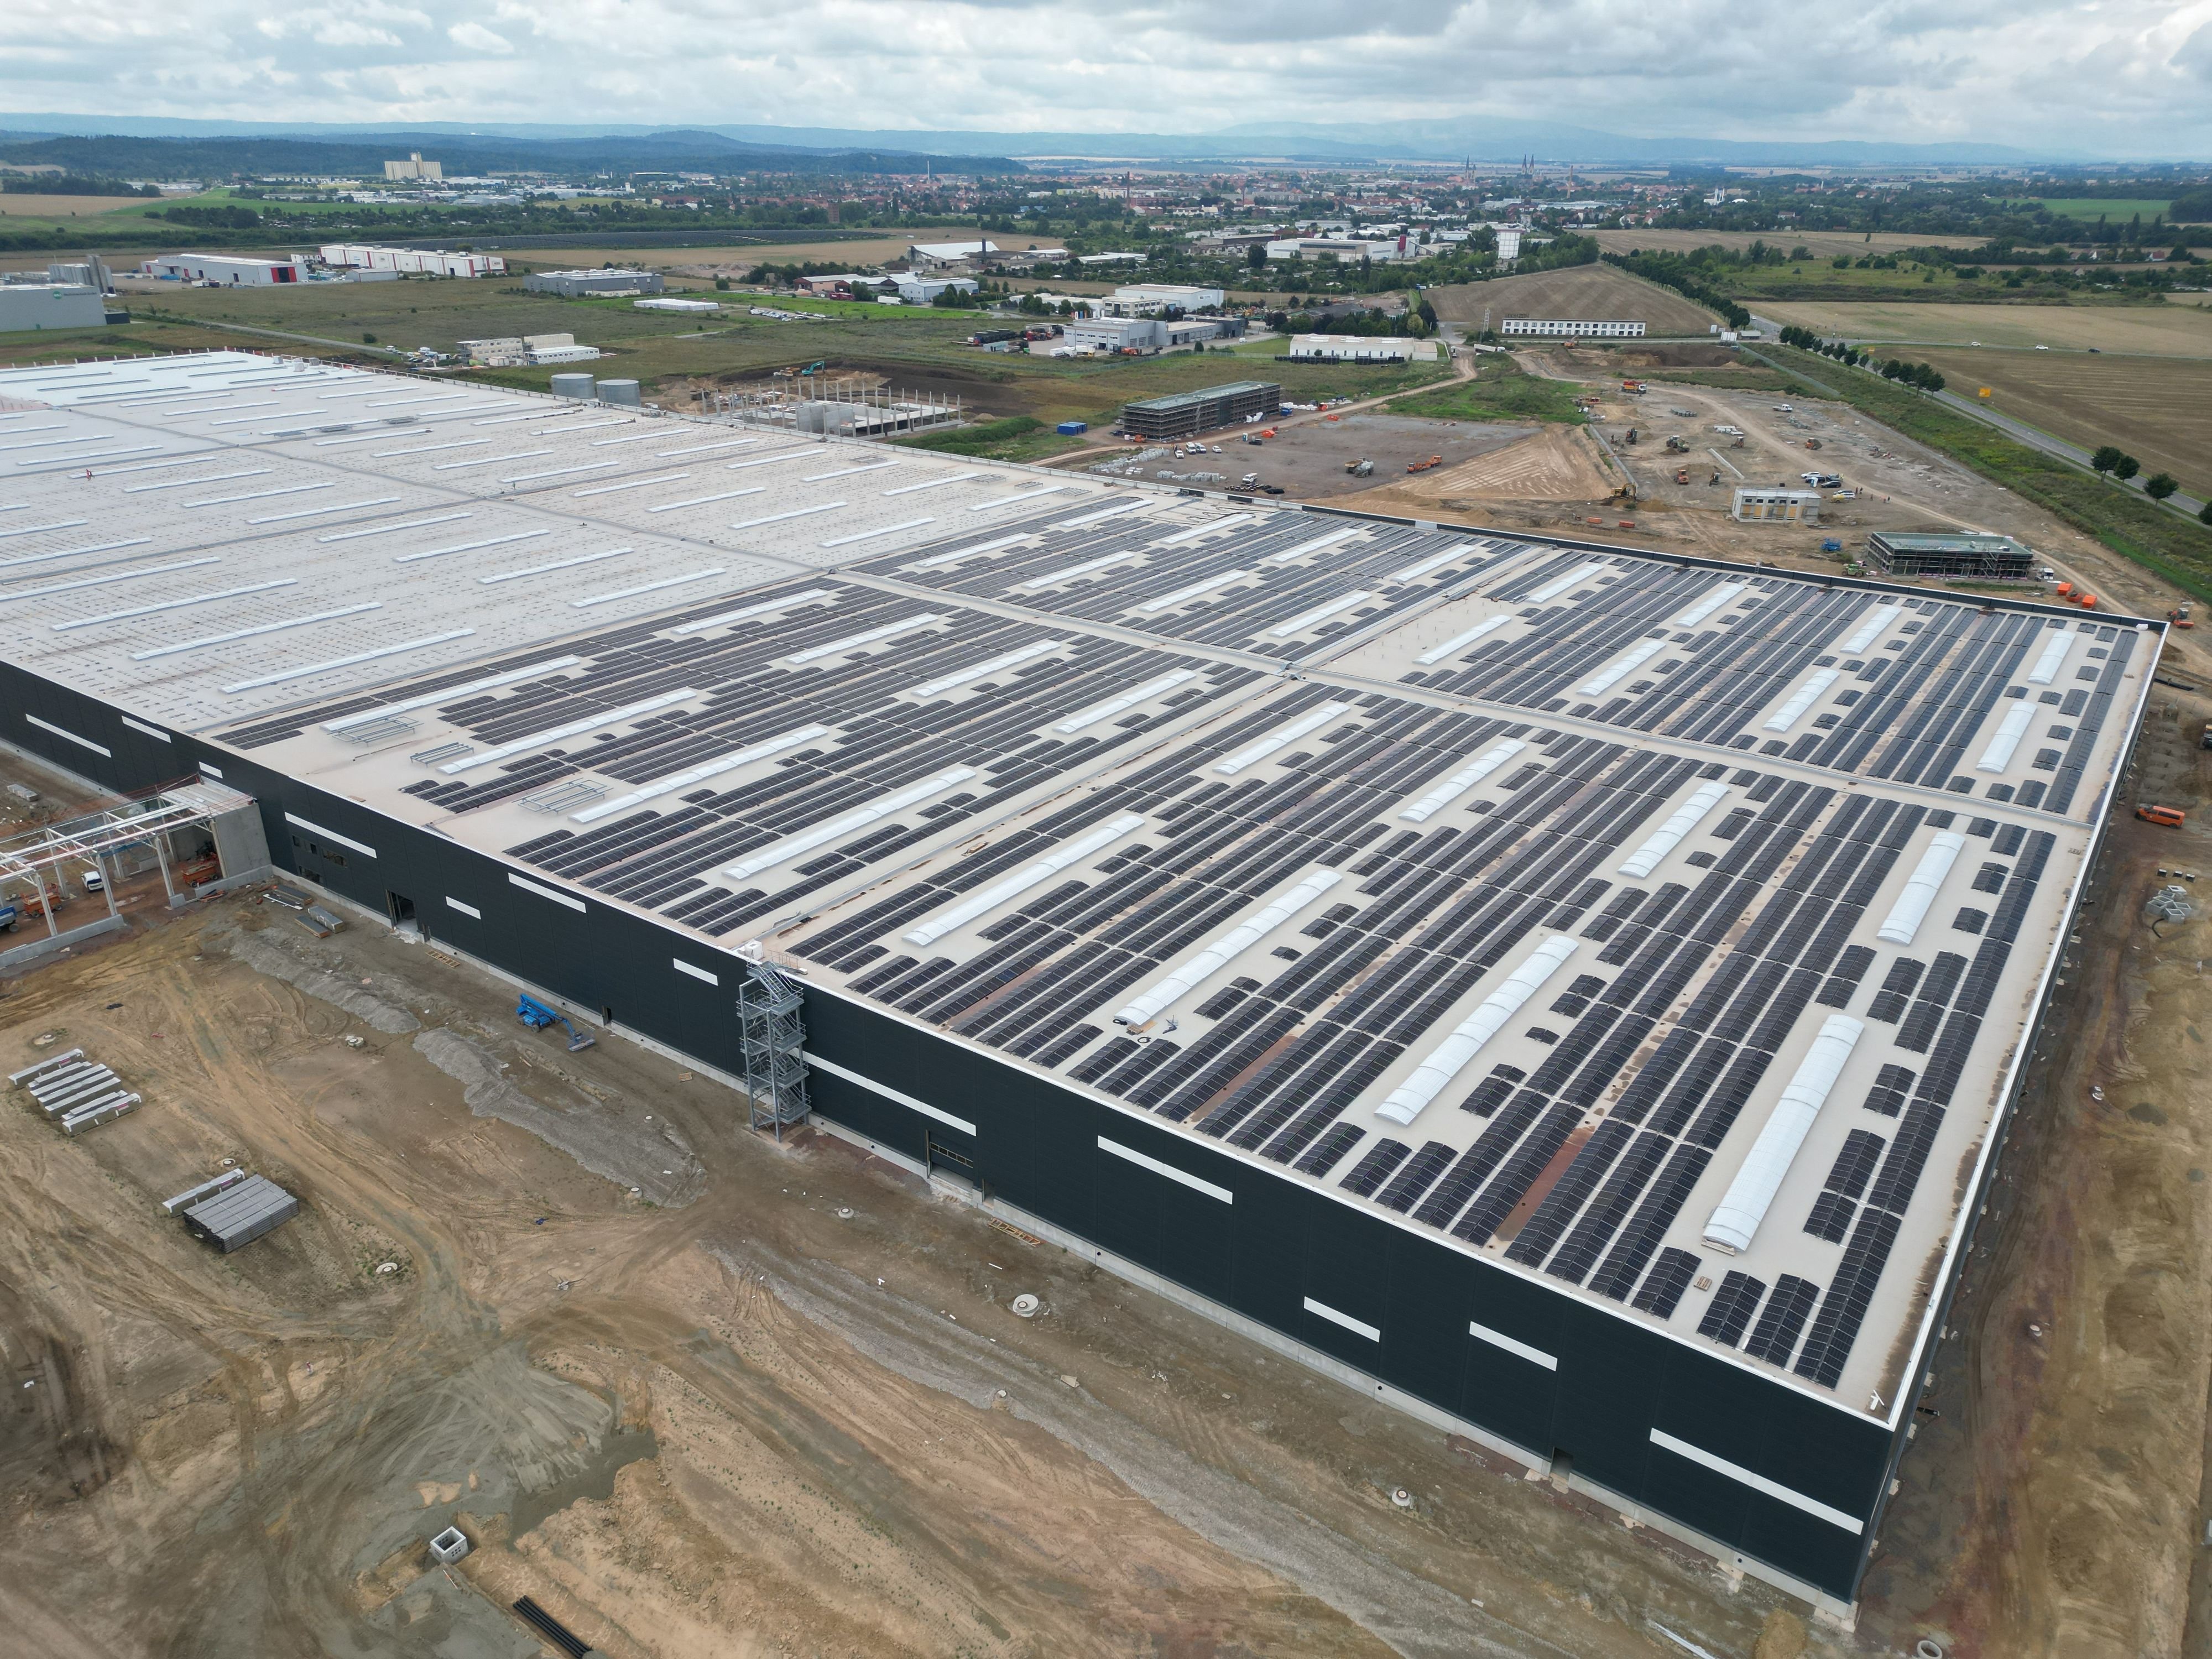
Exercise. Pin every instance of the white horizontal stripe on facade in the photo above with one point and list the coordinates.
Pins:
(684, 967)
(1499, 1340)
(61, 731)
(315, 829)
(141, 725)
(1759, 1483)
(1131, 1155)
(465, 909)
(891, 1094)
(544, 892)
(1358, 1327)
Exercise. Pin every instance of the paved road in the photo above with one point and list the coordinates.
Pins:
(2034, 437)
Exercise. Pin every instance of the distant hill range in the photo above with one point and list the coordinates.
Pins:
(92, 145)
(308, 147)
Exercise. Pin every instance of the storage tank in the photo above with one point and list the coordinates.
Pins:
(573, 385)
(618, 392)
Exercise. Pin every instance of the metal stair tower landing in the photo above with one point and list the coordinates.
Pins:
(772, 1033)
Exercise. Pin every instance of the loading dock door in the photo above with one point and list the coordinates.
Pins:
(947, 1152)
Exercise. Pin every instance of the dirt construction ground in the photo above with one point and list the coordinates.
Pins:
(1309, 459)
(1561, 480)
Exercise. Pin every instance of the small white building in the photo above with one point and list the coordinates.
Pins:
(520, 350)
(1361, 348)
(1558, 328)
(1137, 299)
(1782, 505)
(1508, 247)
(671, 304)
(1113, 334)
(557, 348)
(231, 270)
(923, 290)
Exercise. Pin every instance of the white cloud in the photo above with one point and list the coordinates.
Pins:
(475, 36)
(2123, 77)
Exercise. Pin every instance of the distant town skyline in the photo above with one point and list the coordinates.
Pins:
(2122, 79)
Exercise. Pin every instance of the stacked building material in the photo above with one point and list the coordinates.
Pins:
(75, 1091)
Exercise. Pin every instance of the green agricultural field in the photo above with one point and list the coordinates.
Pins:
(2093, 207)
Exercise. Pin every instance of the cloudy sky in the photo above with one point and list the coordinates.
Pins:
(2115, 77)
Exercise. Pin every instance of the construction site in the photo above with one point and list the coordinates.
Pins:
(744, 1066)
(811, 400)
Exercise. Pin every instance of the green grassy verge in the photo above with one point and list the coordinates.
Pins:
(2164, 543)
(1500, 391)
(988, 438)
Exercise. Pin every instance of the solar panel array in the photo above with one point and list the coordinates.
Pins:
(1501, 885)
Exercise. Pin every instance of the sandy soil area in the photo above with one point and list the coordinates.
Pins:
(1555, 464)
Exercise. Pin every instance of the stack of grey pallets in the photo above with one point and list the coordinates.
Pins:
(74, 1091)
(237, 1210)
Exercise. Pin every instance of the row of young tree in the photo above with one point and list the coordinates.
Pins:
(1921, 377)
(2110, 461)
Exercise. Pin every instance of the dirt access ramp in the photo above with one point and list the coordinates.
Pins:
(785, 1411)
(1557, 466)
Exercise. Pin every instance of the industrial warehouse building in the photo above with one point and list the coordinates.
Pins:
(231, 270)
(575, 285)
(1360, 349)
(1186, 414)
(25, 306)
(1991, 558)
(1614, 328)
(1573, 994)
(1111, 334)
(409, 261)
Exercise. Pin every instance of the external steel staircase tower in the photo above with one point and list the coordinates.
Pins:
(772, 1031)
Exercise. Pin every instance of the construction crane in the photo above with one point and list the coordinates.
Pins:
(537, 1017)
